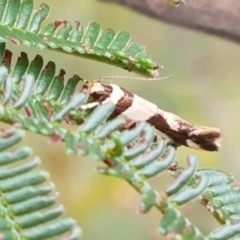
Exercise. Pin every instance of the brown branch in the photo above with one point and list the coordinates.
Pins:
(218, 17)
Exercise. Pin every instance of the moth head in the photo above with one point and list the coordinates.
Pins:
(204, 138)
(96, 90)
(93, 86)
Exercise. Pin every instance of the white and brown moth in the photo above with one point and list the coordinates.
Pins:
(171, 127)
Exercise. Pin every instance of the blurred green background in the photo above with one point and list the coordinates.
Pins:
(204, 90)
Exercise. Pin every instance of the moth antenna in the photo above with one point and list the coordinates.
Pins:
(136, 78)
(105, 80)
(95, 80)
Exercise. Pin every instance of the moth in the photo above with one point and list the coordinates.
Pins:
(169, 126)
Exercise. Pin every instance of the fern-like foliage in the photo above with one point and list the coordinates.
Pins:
(21, 25)
(221, 197)
(29, 207)
(33, 97)
(36, 99)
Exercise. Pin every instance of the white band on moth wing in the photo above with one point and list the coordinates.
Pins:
(116, 94)
(140, 110)
(172, 120)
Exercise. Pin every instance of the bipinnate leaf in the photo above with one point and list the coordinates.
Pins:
(29, 205)
(22, 25)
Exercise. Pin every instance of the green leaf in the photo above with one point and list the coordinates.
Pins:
(22, 25)
(29, 205)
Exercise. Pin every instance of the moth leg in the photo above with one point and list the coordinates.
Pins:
(174, 167)
(92, 104)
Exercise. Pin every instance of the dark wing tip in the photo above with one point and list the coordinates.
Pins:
(205, 138)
